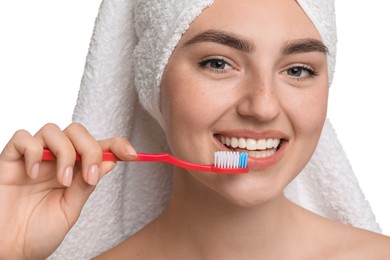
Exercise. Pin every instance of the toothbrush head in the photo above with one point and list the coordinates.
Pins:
(230, 162)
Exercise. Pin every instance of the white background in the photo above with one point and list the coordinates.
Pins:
(43, 46)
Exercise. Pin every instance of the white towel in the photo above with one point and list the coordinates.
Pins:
(130, 46)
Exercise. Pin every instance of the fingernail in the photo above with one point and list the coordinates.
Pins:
(67, 176)
(93, 175)
(34, 171)
(130, 150)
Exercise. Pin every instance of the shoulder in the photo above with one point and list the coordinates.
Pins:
(355, 243)
(333, 240)
(372, 245)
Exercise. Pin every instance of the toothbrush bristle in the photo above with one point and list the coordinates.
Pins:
(230, 160)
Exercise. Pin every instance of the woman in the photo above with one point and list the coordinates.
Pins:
(253, 71)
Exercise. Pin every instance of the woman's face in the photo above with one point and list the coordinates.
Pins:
(247, 75)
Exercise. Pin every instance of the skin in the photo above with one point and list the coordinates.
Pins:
(261, 91)
(43, 200)
(254, 94)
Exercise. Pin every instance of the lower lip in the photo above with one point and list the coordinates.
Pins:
(259, 164)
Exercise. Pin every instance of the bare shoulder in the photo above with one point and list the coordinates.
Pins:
(334, 240)
(372, 245)
(357, 243)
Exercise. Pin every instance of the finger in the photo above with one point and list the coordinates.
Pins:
(24, 145)
(59, 144)
(121, 147)
(77, 194)
(89, 150)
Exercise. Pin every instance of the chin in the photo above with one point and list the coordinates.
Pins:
(249, 193)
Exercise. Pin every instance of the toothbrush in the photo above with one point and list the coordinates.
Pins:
(225, 162)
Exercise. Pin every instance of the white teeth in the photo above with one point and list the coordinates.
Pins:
(262, 144)
(242, 143)
(252, 145)
(261, 154)
(228, 142)
(233, 143)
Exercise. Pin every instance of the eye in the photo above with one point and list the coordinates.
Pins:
(301, 72)
(217, 65)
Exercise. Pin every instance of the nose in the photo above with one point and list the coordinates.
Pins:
(259, 100)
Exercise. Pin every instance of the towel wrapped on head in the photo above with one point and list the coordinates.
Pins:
(119, 96)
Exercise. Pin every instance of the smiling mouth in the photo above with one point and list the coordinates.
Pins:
(256, 148)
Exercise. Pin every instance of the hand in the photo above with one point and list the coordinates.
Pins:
(40, 201)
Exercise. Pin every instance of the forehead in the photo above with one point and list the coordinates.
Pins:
(256, 19)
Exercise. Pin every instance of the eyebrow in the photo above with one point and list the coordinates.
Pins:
(304, 45)
(239, 43)
(221, 37)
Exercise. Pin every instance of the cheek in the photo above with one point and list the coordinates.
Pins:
(308, 112)
(317, 110)
(182, 106)
(186, 115)
(306, 115)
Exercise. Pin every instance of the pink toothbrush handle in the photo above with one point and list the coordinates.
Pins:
(167, 158)
(164, 157)
(49, 156)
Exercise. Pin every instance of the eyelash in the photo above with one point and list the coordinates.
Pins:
(205, 63)
(310, 70)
